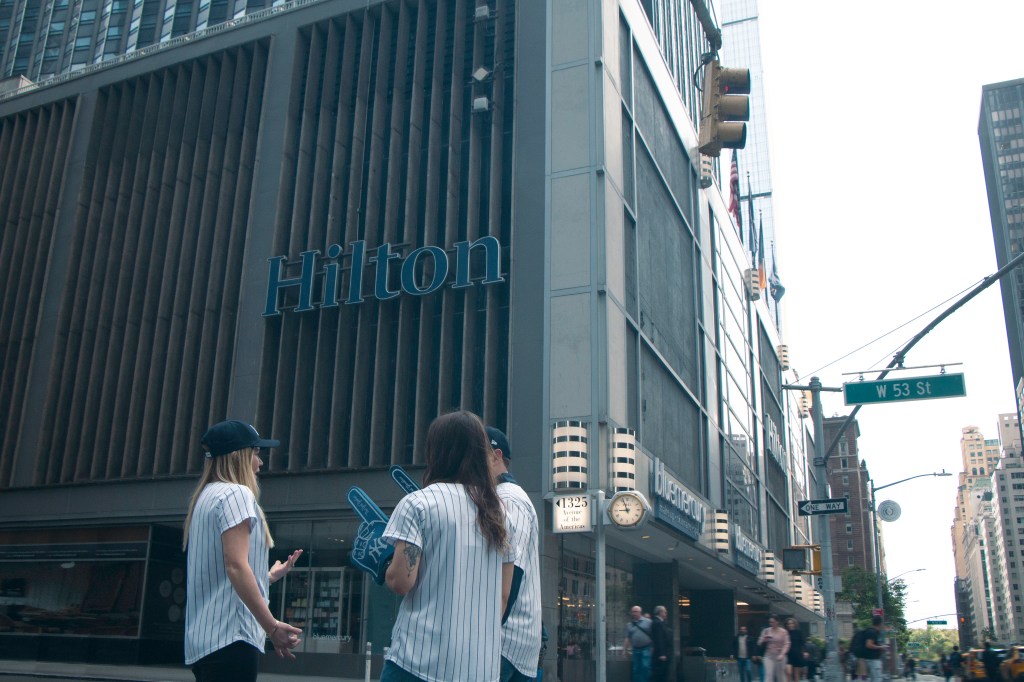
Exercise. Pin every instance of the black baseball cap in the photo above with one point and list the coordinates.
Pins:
(226, 437)
(498, 441)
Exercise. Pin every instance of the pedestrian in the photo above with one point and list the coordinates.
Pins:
(227, 540)
(638, 644)
(990, 659)
(811, 656)
(946, 666)
(874, 648)
(795, 657)
(452, 563)
(661, 646)
(956, 663)
(744, 648)
(910, 667)
(521, 629)
(775, 639)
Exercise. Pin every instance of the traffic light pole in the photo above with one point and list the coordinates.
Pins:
(831, 671)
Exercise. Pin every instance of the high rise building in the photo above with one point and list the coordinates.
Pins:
(852, 544)
(339, 221)
(985, 531)
(742, 47)
(1001, 132)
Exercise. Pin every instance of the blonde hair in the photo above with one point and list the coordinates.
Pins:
(234, 467)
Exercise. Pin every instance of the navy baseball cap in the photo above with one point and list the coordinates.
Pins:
(498, 441)
(226, 437)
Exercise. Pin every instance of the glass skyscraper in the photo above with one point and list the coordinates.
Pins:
(1001, 134)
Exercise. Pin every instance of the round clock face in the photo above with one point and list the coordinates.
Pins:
(626, 510)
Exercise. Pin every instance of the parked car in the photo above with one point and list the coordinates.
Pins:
(928, 668)
(1012, 669)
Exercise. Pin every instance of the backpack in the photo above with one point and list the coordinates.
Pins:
(858, 645)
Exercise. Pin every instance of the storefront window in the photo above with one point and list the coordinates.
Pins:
(73, 582)
(323, 594)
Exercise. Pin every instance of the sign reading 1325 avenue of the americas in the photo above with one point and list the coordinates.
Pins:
(336, 277)
(907, 388)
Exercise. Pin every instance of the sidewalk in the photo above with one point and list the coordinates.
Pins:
(96, 672)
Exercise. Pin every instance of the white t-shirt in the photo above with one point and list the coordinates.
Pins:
(215, 616)
(449, 624)
(521, 633)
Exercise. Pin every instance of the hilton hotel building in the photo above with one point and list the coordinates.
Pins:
(336, 220)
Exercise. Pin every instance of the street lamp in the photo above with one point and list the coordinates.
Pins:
(874, 523)
(913, 570)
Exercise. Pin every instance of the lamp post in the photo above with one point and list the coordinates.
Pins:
(874, 524)
(913, 570)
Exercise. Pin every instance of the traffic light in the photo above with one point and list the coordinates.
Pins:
(794, 559)
(816, 559)
(723, 106)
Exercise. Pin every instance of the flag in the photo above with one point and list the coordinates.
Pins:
(734, 190)
(776, 289)
(762, 277)
(750, 208)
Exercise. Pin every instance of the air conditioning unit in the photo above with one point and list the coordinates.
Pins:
(750, 277)
(783, 351)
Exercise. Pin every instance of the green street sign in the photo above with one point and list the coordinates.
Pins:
(913, 645)
(907, 388)
(936, 622)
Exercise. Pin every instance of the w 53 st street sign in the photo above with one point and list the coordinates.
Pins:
(907, 388)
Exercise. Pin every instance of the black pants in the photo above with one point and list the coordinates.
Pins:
(234, 663)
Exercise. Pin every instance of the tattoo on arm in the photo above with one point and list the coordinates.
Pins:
(412, 555)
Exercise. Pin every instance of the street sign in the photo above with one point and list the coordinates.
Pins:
(907, 388)
(572, 514)
(913, 645)
(936, 622)
(878, 612)
(815, 507)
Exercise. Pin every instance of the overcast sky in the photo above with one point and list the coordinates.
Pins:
(880, 215)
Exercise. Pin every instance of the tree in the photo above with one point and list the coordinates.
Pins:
(931, 643)
(859, 588)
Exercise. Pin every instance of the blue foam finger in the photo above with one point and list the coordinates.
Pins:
(370, 552)
(403, 479)
(365, 506)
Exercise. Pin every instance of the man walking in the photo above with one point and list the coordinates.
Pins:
(743, 648)
(638, 643)
(990, 659)
(661, 646)
(874, 648)
(521, 630)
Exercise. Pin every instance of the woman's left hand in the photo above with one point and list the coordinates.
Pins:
(280, 570)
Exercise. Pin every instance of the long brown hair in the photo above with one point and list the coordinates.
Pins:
(457, 452)
(234, 467)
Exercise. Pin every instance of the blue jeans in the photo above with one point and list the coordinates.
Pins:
(874, 669)
(509, 673)
(743, 664)
(392, 673)
(641, 667)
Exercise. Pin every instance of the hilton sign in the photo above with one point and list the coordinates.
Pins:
(431, 261)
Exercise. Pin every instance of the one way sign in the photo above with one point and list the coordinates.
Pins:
(813, 507)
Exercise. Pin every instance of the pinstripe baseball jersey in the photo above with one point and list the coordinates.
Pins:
(214, 614)
(521, 633)
(448, 627)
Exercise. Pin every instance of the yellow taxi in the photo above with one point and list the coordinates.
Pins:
(974, 668)
(1012, 669)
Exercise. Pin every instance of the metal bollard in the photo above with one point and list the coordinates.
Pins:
(369, 653)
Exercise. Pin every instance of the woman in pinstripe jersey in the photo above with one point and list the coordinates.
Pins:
(452, 563)
(227, 619)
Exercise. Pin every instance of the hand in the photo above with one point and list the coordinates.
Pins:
(285, 637)
(662, 658)
(279, 570)
(370, 552)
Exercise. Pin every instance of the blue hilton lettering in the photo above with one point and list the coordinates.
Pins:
(322, 278)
